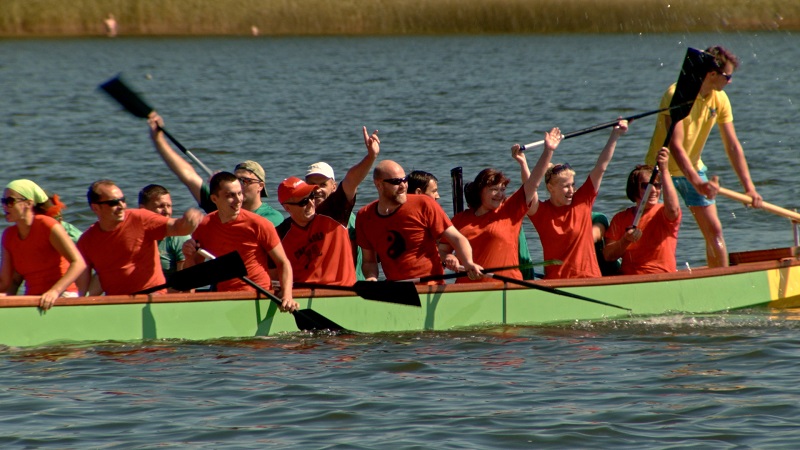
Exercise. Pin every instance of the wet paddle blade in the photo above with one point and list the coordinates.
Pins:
(400, 292)
(310, 320)
(224, 268)
(129, 100)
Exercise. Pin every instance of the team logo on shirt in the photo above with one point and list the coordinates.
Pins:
(397, 245)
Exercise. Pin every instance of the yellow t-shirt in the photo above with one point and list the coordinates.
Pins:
(706, 111)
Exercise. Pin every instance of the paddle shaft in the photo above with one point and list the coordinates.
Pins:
(206, 254)
(769, 207)
(460, 274)
(601, 126)
(186, 151)
(552, 290)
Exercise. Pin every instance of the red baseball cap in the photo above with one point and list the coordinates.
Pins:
(294, 187)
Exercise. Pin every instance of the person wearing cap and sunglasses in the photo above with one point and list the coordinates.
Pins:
(233, 228)
(688, 171)
(401, 231)
(317, 246)
(336, 200)
(564, 221)
(37, 247)
(122, 246)
(249, 173)
(650, 246)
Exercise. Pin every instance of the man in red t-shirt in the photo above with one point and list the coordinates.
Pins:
(233, 228)
(402, 231)
(318, 247)
(122, 246)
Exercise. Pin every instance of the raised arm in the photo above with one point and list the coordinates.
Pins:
(736, 155)
(672, 207)
(357, 173)
(608, 151)
(532, 180)
(179, 166)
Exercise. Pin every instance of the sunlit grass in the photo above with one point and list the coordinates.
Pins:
(381, 17)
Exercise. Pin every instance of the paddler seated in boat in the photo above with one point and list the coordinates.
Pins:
(156, 198)
(122, 246)
(317, 246)
(401, 231)
(564, 221)
(493, 221)
(336, 200)
(36, 246)
(650, 246)
(425, 183)
(250, 174)
(233, 228)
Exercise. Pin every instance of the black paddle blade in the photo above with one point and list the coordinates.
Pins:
(129, 100)
(213, 271)
(696, 65)
(310, 320)
(401, 292)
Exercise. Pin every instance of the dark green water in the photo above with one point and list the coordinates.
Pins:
(724, 381)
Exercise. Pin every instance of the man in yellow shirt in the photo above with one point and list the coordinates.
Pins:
(688, 139)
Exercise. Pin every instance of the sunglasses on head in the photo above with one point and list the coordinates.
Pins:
(302, 203)
(395, 181)
(644, 184)
(11, 201)
(248, 181)
(112, 203)
(555, 170)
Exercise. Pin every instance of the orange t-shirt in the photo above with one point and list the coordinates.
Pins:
(405, 240)
(566, 235)
(35, 258)
(654, 252)
(126, 259)
(320, 252)
(494, 236)
(250, 234)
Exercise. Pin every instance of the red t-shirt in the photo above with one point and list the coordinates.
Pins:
(126, 259)
(320, 252)
(654, 252)
(250, 234)
(405, 240)
(35, 258)
(494, 236)
(566, 235)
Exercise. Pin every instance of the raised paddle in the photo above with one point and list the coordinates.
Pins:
(305, 319)
(604, 125)
(135, 105)
(695, 67)
(400, 293)
(769, 207)
(551, 290)
(457, 179)
(213, 271)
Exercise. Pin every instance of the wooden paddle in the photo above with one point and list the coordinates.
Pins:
(401, 293)
(551, 290)
(769, 207)
(449, 276)
(305, 319)
(135, 105)
(696, 64)
(210, 272)
(607, 125)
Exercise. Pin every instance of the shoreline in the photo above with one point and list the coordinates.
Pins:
(170, 18)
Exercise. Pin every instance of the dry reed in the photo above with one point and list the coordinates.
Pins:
(22, 18)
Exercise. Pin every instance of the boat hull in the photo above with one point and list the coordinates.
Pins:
(202, 316)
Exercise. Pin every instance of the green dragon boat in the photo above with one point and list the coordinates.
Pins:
(766, 278)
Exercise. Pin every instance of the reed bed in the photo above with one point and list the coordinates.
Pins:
(24, 18)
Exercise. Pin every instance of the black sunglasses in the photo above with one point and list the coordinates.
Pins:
(113, 202)
(248, 181)
(727, 76)
(644, 184)
(302, 203)
(11, 201)
(395, 181)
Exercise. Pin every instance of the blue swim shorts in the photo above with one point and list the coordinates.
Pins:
(690, 195)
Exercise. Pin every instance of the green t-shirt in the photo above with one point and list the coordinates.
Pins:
(72, 231)
(171, 251)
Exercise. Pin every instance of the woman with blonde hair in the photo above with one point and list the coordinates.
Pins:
(37, 246)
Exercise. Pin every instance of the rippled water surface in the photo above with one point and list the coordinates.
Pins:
(723, 381)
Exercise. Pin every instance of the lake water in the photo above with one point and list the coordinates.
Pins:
(439, 102)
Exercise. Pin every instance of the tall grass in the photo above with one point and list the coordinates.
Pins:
(382, 17)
